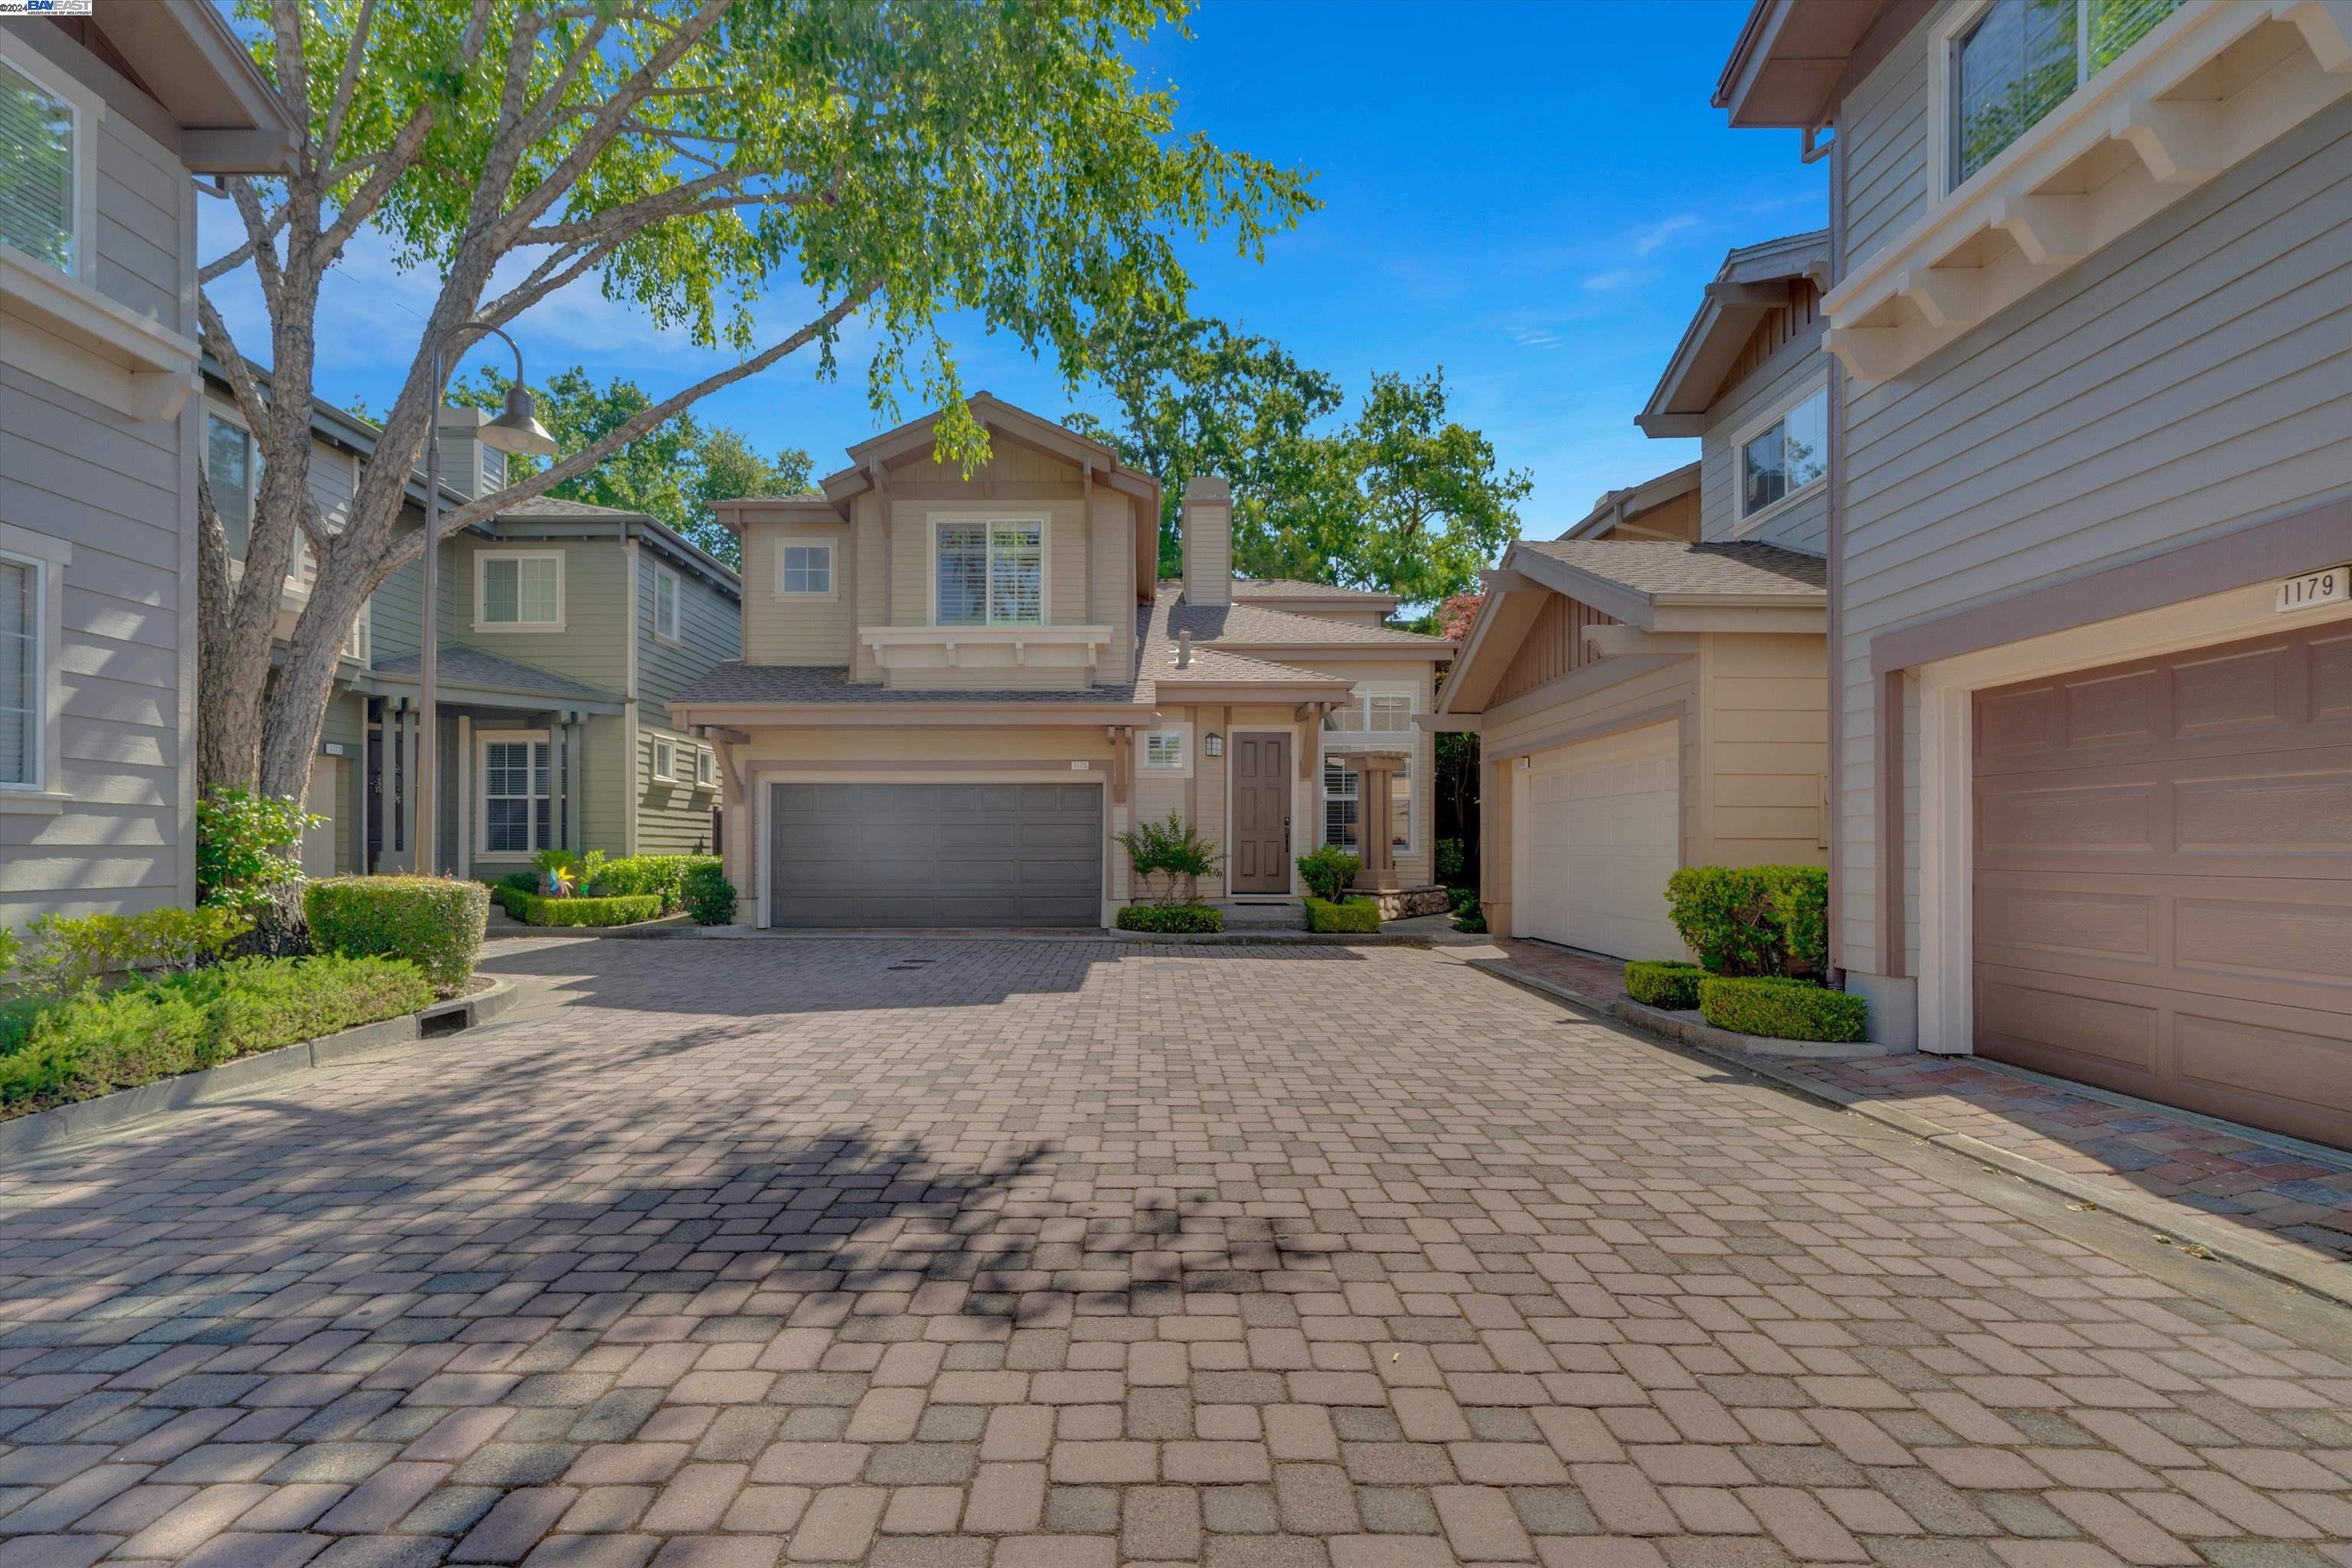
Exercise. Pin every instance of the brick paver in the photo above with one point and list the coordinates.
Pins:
(1017, 1255)
(2289, 1194)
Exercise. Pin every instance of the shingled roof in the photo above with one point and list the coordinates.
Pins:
(735, 681)
(1254, 625)
(1739, 567)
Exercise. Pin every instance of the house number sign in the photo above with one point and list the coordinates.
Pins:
(2313, 589)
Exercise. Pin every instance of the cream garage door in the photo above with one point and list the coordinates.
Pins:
(1598, 829)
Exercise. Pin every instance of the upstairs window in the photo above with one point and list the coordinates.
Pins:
(804, 570)
(1372, 713)
(519, 592)
(43, 129)
(1789, 456)
(232, 466)
(991, 573)
(2022, 59)
(665, 610)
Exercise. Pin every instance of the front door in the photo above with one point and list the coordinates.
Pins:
(1261, 780)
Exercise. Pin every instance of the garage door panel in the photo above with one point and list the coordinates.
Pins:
(936, 855)
(1600, 835)
(2163, 879)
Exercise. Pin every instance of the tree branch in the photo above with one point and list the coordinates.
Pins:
(259, 231)
(588, 457)
(679, 201)
(213, 334)
(222, 266)
(345, 85)
(395, 158)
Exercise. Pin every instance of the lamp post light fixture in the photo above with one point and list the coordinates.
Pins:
(517, 429)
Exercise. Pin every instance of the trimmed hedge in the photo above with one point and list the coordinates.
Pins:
(1184, 918)
(1782, 1009)
(1327, 872)
(59, 1051)
(532, 910)
(662, 877)
(1753, 919)
(1668, 982)
(435, 922)
(1355, 915)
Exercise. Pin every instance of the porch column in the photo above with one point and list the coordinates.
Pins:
(465, 795)
(1375, 799)
(411, 731)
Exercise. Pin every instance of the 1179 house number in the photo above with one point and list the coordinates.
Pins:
(2313, 589)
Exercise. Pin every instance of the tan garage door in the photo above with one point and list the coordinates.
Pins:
(2164, 879)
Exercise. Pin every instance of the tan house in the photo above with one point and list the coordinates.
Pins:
(955, 692)
(107, 118)
(1650, 689)
(2090, 517)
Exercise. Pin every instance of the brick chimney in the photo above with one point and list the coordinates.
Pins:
(1208, 528)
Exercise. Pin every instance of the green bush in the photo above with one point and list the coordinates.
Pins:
(1328, 871)
(1461, 899)
(1753, 919)
(1452, 862)
(709, 896)
(435, 922)
(661, 876)
(1354, 915)
(532, 910)
(1782, 1009)
(1469, 920)
(1185, 918)
(55, 1051)
(1668, 982)
(75, 952)
(247, 846)
(521, 881)
(1173, 848)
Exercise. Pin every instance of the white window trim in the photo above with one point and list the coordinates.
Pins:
(1182, 767)
(1044, 560)
(831, 542)
(1748, 432)
(48, 557)
(88, 111)
(675, 635)
(664, 774)
(359, 643)
(706, 768)
(481, 793)
(483, 557)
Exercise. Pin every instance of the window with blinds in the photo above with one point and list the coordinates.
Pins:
(2022, 59)
(520, 590)
(22, 680)
(516, 804)
(37, 128)
(991, 573)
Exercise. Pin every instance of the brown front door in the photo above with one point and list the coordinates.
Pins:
(2164, 879)
(1261, 780)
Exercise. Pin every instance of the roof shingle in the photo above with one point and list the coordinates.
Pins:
(1741, 568)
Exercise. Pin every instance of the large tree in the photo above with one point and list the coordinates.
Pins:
(671, 473)
(891, 160)
(1400, 498)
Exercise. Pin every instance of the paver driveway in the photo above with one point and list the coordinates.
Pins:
(1048, 1253)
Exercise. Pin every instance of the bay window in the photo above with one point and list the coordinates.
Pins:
(989, 574)
(2019, 59)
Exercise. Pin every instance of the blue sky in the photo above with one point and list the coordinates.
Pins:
(1530, 195)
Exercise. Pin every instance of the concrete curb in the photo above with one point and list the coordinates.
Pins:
(46, 1129)
(2177, 1224)
(1270, 937)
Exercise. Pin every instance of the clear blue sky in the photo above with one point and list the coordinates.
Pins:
(1530, 195)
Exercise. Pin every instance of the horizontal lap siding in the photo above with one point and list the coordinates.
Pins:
(1764, 748)
(797, 631)
(120, 492)
(675, 818)
(591, 649)
(2193, 377)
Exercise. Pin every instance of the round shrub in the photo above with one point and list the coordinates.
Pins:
(709, 896)
(435, 922)
(1328, 871)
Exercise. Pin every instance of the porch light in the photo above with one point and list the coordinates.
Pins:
(1214, 745)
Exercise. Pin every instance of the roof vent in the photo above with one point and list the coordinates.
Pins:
(1184, 650)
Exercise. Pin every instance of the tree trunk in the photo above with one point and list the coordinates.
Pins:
(298, 699)
(228, 721)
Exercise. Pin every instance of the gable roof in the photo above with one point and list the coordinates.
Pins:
(1668, 568)
(1208, 665)
(1791, 55)
(1617, 507)
(1753, 279)
(1259, 626)
(1288, 590)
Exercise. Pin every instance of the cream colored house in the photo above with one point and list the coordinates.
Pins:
(955, 692)
(1650, 689)
(2090, 521)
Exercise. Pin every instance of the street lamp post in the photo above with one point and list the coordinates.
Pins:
(517, 429)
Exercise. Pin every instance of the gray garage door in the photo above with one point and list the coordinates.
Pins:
(935, 855)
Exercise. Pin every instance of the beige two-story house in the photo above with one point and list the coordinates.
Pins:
(103, 121)
(1650, 689)
(2090, 515)
(565, 629)
(956, 689)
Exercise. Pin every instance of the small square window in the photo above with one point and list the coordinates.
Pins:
(705, 769)
(1163, 749)
(665, 760)
(804, 569)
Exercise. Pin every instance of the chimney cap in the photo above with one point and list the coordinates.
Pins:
(1208, 486)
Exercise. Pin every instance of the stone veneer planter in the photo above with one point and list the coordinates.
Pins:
(1406, 903)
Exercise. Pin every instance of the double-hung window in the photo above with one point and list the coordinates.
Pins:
(665, 760)
(665, 604)
(804, 570)
(989, 574)
(2018, 59)
(1374, 720)
(47, 162)
(1786, 458)
(516, 591)
(516, 805)
(23, 674)
(706, 768)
